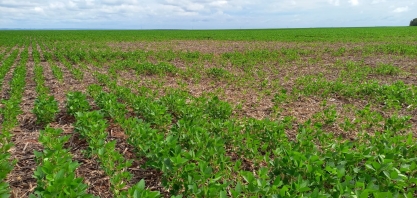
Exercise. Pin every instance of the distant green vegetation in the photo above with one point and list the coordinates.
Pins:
(365, 34)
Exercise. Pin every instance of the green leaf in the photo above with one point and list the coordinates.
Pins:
(394, 174)
(141, 184)
(238, 188)
(223, 194)
(382, 195)
(303, 189)
(364, 194)
(248, 176)
(4, 190)
(356, 170)
(215, 179)
(376, 165)
(386, 173)
(369, 167)
(283, 191)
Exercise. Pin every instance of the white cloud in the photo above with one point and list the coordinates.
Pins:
(334, 2)
(401, 9)
(354, 2)
(378, 1)
(218, 3)
(201, 13)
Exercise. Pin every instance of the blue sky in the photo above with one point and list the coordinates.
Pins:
(203, 14)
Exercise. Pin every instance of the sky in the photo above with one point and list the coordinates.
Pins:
(203, 14)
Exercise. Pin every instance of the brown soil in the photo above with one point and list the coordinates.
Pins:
(25, 138)
(219, 47)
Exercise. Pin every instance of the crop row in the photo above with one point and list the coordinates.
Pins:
(92, 125)
(7, 64)
(9, 111)
(55, 172)
(6, 51)
(45, 106)
(74, 71)
(56, 71)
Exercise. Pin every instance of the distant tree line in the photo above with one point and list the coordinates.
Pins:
(413, 22)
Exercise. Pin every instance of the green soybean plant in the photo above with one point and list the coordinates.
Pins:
(55, 173)
(45, 109)
(77, 102)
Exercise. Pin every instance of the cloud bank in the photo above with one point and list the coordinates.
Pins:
(203, 14)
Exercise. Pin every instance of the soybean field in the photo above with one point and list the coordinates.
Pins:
(318, 112)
